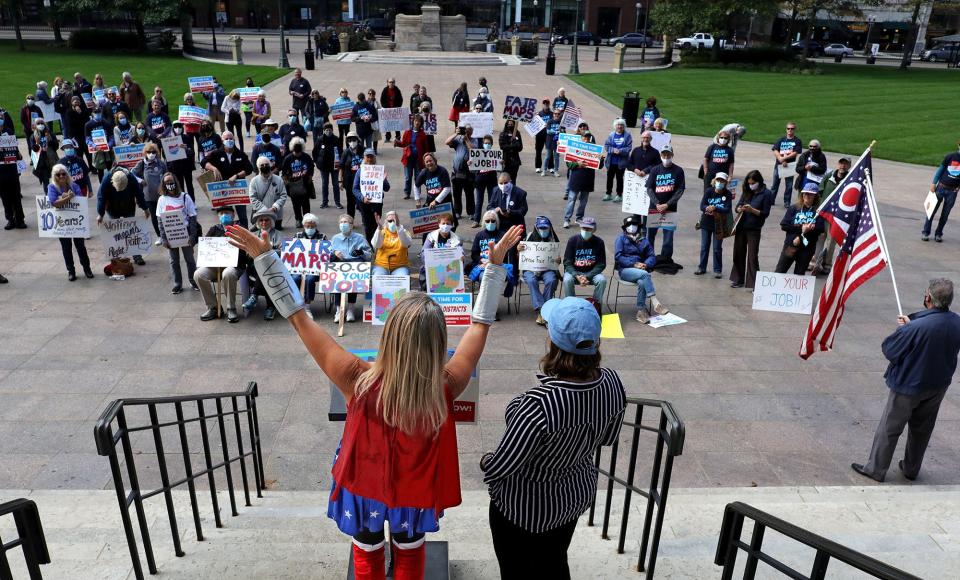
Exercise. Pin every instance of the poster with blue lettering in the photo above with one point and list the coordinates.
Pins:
(70, 220)
(519, 108)
(784, 293)
(303, 256)
(457, 308)
(586, 154)
(341, 111)
(563, 139)
(344, 277)
(201, 84)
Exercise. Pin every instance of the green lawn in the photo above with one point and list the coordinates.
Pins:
(908, 113)
(41, 62)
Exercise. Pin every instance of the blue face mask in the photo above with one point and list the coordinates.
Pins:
(544, 232)
(392, 226)
(123, 121)
(506, 187)
(586, 234)
(310, 231)
(226, 219)
(344, 228)
(488, 146)
(491, 227)
(229, 143)
(1, 121)
(69, 152)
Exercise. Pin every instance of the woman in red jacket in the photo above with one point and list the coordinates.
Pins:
(397, 460)
(415, 144)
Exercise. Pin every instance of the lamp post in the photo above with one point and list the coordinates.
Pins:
(646, 18)
(870, 20)
(284, 63)
(636, 24)
(535, 16)
(574, 65)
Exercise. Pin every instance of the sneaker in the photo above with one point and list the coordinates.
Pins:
(194, 286)
(209, 314)
(658, 308)
(539, 171)
(607, 197)
(475, 225)
(336, 315)
(554, 172)
(938, 239)
(566, 225)
(157, 243)
(138, 260)
(232, 316)
(540, 320)
(248, 134)
(643, 317)
(717, 275)
(269, 313)
(250, 304)
(618, 198)
(351, 315)
(699, 272)
(176, 289)
(339, 206)
(544, 174)
(925, 237)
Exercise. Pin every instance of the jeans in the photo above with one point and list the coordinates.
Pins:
(477, 273)
(945, 201)
(65, 244)
(706, 236)
(666, 250)
(533, 280)
(572, 199)
(381, 271)
(599, 286)
(553, 159)
(326, 177)
(644, 283)
(205, 277)
(409, 174)
(309, 286)
(788, 182)
(175, 264)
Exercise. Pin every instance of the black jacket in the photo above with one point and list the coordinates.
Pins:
(229, 167)
(511, 146)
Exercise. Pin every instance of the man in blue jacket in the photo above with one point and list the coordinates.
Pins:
(923, 358)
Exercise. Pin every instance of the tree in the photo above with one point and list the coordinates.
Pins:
(14, 6)
(676, 17)
(143, 11)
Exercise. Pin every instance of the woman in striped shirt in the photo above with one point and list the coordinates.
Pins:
(542, 476)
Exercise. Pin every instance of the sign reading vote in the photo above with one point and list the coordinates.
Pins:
(70, 220)
(784, 293)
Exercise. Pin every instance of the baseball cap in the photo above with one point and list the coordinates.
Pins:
(543, 222)
(588, 223)
(573, 324)
(666, 149)
(810, 188)
(631, 220)
(369, 151)
(722, 175)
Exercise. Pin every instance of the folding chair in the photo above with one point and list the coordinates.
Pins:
(617, 295)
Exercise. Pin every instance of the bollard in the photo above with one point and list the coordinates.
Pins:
(596, 54)
(288, 46)
(263, 46)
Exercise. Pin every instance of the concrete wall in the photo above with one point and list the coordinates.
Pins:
(451, 35)
(407, 32)
(453, 32)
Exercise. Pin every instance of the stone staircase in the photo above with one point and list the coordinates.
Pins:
(287, 535)
(434, 58)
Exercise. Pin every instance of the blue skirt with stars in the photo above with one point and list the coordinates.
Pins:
(355, 513)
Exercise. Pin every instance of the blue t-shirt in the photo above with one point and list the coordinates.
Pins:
(719, 159)
(788, 144)
(950, 171)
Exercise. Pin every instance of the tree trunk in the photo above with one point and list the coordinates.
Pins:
(667, 49)
(186, 31)
(810, 30)
(911, 38)
(791, 28)
(141, 33)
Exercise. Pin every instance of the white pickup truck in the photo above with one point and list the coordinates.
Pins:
(698, 40)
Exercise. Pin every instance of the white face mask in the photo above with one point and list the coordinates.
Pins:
(667, 161)
(722, 141)
(632, 229)
(754, 186)
(445, 228)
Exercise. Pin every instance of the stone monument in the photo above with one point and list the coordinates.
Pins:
(430, 31)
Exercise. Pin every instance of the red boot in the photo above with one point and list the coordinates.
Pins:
(409, 563)
(369, 565)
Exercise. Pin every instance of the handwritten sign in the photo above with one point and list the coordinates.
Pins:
(174, 228)
(67, 221)
(201, 84)
(128, 155)
(784, 293)
(303, 256)
(482, 123)
(485, 160)
(426, 220)
(635, 198)
(571, 116)
(171, 148)
(929, 204)
(341, 112)
(539, 256)
(444, 269)
(535, 126)
(586, 154)
(660, 140)
(222, 193)
(8, 149)
(664, 220)
(248, 94)
(519, 108)
(563, 139)
(344, 277)
(47, 112)
(217, 253)
(191, 115)
(99, 139)
(394, 119)
(387, 290)
(124, 237)
(457, 308)
(371, 182)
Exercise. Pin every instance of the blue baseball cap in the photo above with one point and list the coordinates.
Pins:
(543, 222)
(573, 323)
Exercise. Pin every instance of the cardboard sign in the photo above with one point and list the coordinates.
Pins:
(930, 204)
(386, 291)
(344, 277)
(586, 154)
(8, 149)
(482, 123)
(47, 112)
(485, 160)
(128, 155)
(426, 220)
(341, 111)
(123, 237)
(535, 126)
(217, 253)
(88, 100)
(201, 84)
(100, 95)
(171, 148)
(539, 256)
(174, 228)
(784, 293)
(222, 193)
(68, 221)
(457, 308)
(563, 139)
(394, 119)
(635, 198)
(660, 140)
(519, 108)
(99, 139)
(444, 270)
(371, 182)
(191, 115)
(665, 221)
(430, 124)
(302, 256)
(571, 116)
(248, 94)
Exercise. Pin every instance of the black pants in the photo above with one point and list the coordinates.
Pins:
(369, 211)
(916, 412)
(615, 172)
(512, 170)
(301, 205)
(153, 217)
(10, 195)
(185, 179)
(234, 125)
(247, 120)
(746, 257)
(463, 188)
(523, 555)
(799, 261)
(540, 141)
(68, 254)
(342, 131)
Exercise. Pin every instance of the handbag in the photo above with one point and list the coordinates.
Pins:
(194, 230)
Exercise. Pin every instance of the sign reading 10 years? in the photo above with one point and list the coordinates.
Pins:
(784, 293)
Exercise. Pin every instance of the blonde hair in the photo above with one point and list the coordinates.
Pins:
(409, 367)
(60, 167)
(150, 147)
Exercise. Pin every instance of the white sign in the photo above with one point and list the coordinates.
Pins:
(48, 112)
(660, 140)
(217, 253)
(172, 149)
(784, 293)
(635, 198)
(67, 221)
(571, 116)
(668, 319)
(535, 126)
(443, 268)
(174, 228)
(8, 149)
(929, 204)
(124, 237)
(394, 119)
(665, 221)
(485, 160)
(539, 256)
(482, 123)
(371, 182)
(563, 139)
(344, 277)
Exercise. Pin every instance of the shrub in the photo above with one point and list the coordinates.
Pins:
(98, 39)
(747, 55)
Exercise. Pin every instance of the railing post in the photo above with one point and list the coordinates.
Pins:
(593, 502)
(188, 470)
(609, 500)
(243, 459)
(5, 573)
(730, 534)
(165, 480)
(205, 439)
(820, 563)
(634, 444)
(226, 458)
(135, 495)
(255, 438)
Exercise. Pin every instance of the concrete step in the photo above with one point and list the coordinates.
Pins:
(438, 58)
(287, 535)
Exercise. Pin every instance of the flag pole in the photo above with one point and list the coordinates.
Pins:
(872, 200)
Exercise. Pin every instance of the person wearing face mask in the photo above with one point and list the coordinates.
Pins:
(391, 243)
(415, 146)
(59, 194)
(122, 131)
(584, 260)
(752, 210)
(811, 166)
(368, 208)
(246, 107)
(462, 141)
(28, 113)
(343, 123)
(617, 147)
(227, 277)
(736, 131)
(561, 101)
(326, 156)
(264, 222)
(349, 246)
(391, 97)
(823, 255)
(158, 123)
(192, 130)
(510, 203)
(483, 99)
(267, 147)
(665, 186)
(10, 178)
(485, 182)
(377, 135)
(231, 111)
(151, 171)
(74, 120)
(349, 167)
(292, 128)
(100, 161)
(229, 163)
(297, 172)
(364, 115)
(267, 191)
(718, 158)
(443, 237)
(215, 100)
(76, 168)
(43, 146)
(581, 181)
(540, 140)
(480, 252)
(551, 134)
(183, 168)
(802, 226)
(634, 259)
(317, 113)
(114, 106)
(714, 210)
(207, 140)
(309, 285)
(174, 200)
(543, 232)
(261, 111)
(511, 144)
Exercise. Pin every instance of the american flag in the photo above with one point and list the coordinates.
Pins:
(850, 215)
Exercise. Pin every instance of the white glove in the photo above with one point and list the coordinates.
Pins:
(491, 288)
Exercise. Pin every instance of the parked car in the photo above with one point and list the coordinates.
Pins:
(816, 49)
(632, 39)
(698, 40)
(583, 37)
(941, 53)
(837, 49)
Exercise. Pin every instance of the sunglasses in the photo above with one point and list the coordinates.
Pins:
(60, 174)
(791, 128)
(489, 221)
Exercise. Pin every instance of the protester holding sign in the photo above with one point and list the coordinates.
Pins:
(261, 111)
(552, 133)
(183, 168)
(267, 191)
(174, 200)
(483, 100)
(584, 260)
(444, 237)
(43, 146)
(545, 114)
(59, 193)
(227, 276)
(802, 226)
(435, 180)
(297, 172)
(118, 197)
(634, 260)
(484, 243)
(581, 181)
(369, 208)
(811, 166)
(9, 176)
(618, 147)
(364, 115)
(76, 167)
(752, 210)
(349, 246)
(123, 132)
(511, 144)
(309, 281)
(341, 112)
(158, 123)
(349, 168)
(485, 182)
(391, 98)
(665, 186)
(265, 231)
(945, 185)
(98, 135)
(561, 102)
(462, 142)
(29, 112)
(150, 171)
(415, 145)
(390, 243)
(714, 210)
(543, 232)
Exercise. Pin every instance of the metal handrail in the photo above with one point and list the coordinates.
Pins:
(730, 544)
(29, 537)
(670, 436)
(112, 429)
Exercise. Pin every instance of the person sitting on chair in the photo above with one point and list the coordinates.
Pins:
(634, 260)
(543, 232)
(584, 261)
